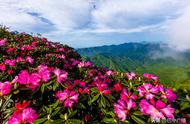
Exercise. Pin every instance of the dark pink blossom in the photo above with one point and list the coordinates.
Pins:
(67, 97)
(2, 67)
(167, 94)
(122, 108)
(61, 75)
(84, 64)
(156, 111)
(148, 91)
(44, 72)
(32, 81)
(2, 42)
(109, 72)
(131, 75)
(151, 76)
(103, 88)
(24, 77)
(5, 88)
(126, 95)
(26, 116)
(118, 87)
(30, 60)
(10, 62)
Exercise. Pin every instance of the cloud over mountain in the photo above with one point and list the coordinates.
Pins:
(99, 21)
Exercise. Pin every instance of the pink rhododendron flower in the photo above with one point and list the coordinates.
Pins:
(118, 87)
(26, 116)
(2, 67)
(20, 59)
(84, 64)
(44, 72)
(157, 111)
(67, 97)
(5, 88)
(151, 76)
(126, 95)
(61, 75)
(103, 88)
(24, 77)
(2, 42)
(10, 62)
(109, 72)
(167, 94)
(30, 60)
(122, 108)
(32, 81)
(130, 75)
(10, 49)
(148, 91)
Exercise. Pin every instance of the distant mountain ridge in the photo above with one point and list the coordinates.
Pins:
(170, 65)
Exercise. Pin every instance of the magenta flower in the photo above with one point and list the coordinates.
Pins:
(148, 91)
(157, 111)
(126, 95)
(26, 116)
(103, 88)
(2, 67)
(2, 42)
(24, 77)
(151, 76)
(67, 97)
(30, 60)
(5, 88)
(20, 59)
(122, 108)
(61, 75)
(118, 87)
(32, 81)
(167, 94)
(44, 72)
(109, 72)
(131, 75)
(84, 64)
(10, 62)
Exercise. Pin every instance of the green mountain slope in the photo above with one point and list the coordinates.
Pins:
(171, 66)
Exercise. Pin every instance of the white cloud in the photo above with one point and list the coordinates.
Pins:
(132, 14)
(58, 19)
(179, 31)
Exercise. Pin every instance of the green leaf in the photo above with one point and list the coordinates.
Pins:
(137, 120)
(72, 113)
(58, 121)
(94, 99)
(109, 120)
(55, 104)
(56, 111)
(185, 105)
(55, 85)
(38, 121)
(137, 113)
(81, 106)
(42, 88)
(74, 121)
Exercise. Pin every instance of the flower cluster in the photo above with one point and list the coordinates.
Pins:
(124, 104)
(67, 97)
(62, 88)
(23, 114)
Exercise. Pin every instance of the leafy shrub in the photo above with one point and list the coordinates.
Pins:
(46, 82)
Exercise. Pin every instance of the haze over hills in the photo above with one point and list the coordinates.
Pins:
(173, 67)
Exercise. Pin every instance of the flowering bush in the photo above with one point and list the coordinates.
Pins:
(46, 82)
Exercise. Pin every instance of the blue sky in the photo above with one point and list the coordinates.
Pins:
(85, 23)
